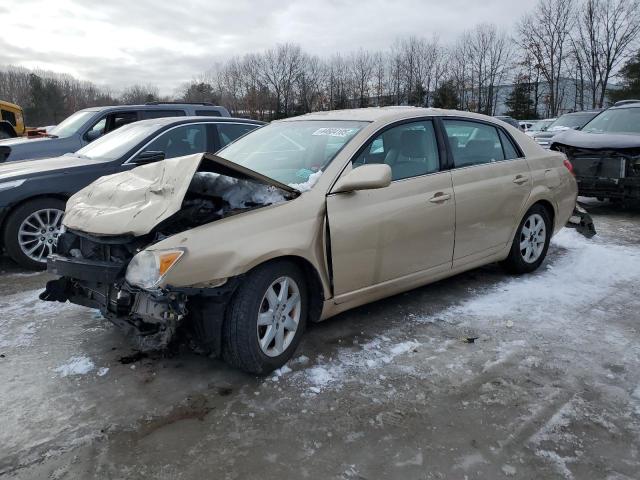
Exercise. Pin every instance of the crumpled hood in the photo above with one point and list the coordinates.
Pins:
(578, 139)
(135, 201)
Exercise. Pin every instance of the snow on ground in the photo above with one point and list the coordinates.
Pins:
(582, 271)
(22, 316)
(76, 366)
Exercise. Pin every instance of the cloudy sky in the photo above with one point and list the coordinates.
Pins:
(167, 43)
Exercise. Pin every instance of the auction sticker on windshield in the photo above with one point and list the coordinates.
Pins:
(335, 132)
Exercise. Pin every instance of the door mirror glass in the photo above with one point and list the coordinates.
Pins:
(92, 135)
(366, 177)
(148, 156)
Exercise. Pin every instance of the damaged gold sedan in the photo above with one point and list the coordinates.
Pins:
(303, 219)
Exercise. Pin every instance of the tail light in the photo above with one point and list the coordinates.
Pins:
(567, 164)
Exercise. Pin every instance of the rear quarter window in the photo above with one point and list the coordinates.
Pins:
(208, 113)
(146, 114)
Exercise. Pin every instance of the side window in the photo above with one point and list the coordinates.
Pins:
(109, 123)
(146, 114)
(228, 132)
(208, 113)
(9, 117)
(118, 119)
(183, 140)
(409, 149)
(509, 149)
(98, 129)
(473, 143)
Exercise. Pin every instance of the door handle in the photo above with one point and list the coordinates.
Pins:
(520, 179)
(440, 197)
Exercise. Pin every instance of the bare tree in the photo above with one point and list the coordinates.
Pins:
(607, 29)
(361, 70)
(545, 33)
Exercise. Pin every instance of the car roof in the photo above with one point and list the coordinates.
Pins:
(581, 112)
(626, 105)
(384, 114)
(165, 121)
(154, 106)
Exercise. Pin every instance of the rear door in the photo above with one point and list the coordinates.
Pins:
(402, 230)
(491, 182)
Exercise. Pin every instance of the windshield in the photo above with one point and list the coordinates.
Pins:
(71, 124)
(290, 152)
(572, 120)
(115, 144)
(619, 120)
(540, 126)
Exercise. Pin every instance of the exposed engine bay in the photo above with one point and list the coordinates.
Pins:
(92, 268)
(605, 166)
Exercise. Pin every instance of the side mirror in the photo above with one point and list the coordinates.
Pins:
(366, 177)
(92, 135)
(148, 156)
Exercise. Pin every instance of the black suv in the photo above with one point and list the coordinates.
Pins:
(33, 193)
(87, 125)
(605, 154)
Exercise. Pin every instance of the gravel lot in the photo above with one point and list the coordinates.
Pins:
(550, 388)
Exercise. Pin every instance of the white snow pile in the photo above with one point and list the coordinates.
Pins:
(332, 373)
(306, 186)
(238, 193)
(76, 366)
(582, 271)
(587, 271)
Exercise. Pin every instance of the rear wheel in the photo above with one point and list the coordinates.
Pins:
(531, 242)
(266, 318)
(32, 230)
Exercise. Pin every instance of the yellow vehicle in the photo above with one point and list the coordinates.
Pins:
(11, 120)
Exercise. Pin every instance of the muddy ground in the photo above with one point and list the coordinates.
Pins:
(549, 389)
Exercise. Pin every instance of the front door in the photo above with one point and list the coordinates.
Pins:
(406, 228)
(492, 184)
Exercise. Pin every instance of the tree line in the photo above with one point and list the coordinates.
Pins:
(562, 55)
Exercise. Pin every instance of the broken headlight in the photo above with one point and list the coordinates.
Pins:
(149, 267)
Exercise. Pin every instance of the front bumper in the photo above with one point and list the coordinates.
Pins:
(627, 188)
(582, 222)
(150, 317)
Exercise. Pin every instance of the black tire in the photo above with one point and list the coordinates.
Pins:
(12, 226)
(240, 341)
(515, 263)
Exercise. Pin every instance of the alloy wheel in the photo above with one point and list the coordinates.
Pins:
(279, 316)
(533, 237)
(38, 233)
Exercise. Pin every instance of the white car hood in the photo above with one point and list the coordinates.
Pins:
(132, 202)
(135, 201)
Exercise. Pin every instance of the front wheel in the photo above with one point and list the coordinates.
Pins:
(530, 243)
(265, 318)
(32, 230)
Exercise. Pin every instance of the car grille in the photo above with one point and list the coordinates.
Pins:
(600, 166)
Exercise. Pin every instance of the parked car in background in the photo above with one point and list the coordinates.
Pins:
(11, 120)
(539, 126)
(510, 120)
(568, 121)
(525, 125)
(305, 218)
(33, 193)
(605, 154)
(87, 125)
